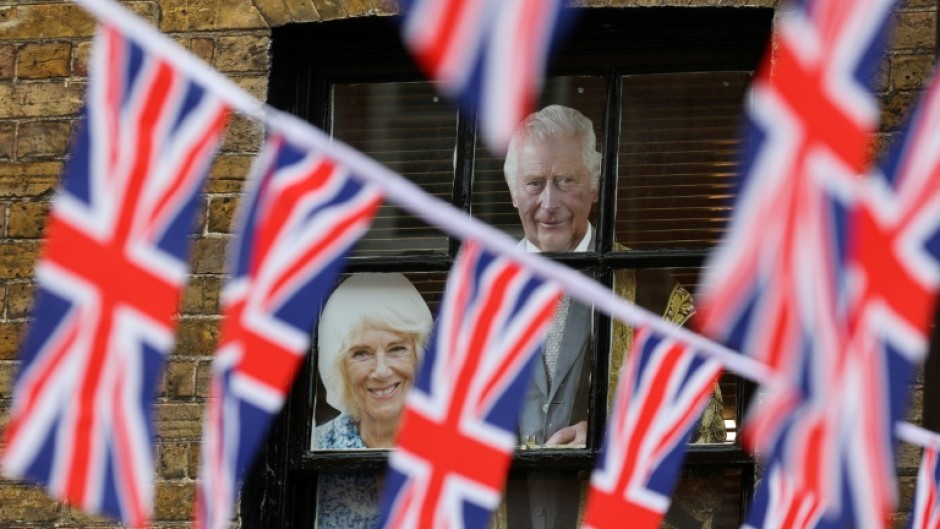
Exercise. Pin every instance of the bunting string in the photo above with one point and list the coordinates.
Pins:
(444, 216)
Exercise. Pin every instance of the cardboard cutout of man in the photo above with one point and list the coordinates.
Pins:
(553, 172)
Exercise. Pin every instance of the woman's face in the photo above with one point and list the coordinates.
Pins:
(379, 369)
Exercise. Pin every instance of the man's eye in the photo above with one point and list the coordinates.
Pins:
(566, 183)
(535, 184)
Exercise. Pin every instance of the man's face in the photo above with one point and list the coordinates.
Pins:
(552, 191)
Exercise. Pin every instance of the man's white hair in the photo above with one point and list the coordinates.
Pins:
(555, 121)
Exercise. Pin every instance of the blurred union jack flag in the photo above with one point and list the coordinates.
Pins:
(780, 503)
(490, 54)
(459, 427)
(302, 214)
(663, 390)
(894, 257)
(109, 282)
(839, 278)
(926, 511)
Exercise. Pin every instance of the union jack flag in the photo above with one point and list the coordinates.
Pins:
(302, 214)
(109, 282)
(664, 388)
(491, 54)
(459, 426)
(780, 503)
(837, 295)
(926, 511)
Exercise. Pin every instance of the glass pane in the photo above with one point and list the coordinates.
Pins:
(668, 292)
(704, 498)
(407, 127)
(348, 501)
(678, 148)
(491, 201)
(370, 338)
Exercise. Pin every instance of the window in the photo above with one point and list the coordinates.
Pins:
(663, 88)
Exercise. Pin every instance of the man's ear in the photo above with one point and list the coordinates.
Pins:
(514, 203)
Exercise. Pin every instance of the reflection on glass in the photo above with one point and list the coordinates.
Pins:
(370, 338)
(409, 129)
(348, 501)
(703, 499)
(666, 292)
(679, 143)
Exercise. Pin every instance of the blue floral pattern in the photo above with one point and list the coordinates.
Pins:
(345, 501)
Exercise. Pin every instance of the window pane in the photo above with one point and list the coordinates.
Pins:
(704, 498)
(348, 501)
(407, 127)
(668, 292)
(370, 339)
(678, 148)
(491, 200)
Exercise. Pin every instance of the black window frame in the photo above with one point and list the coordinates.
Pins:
(308, 58)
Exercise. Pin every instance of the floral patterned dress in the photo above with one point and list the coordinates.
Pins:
(345, 501)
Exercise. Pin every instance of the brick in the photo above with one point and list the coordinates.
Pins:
(81, 51)
(906, 487)
(7, 61)
(43, 60)
(27, 504)
(254, 85)
(173, 460)
(19, 299)
(45, 21)
(43, 139)
(202, 48)
(385, 7)
(17, 259)
(179, 421)
(179, 379)
(7, 139)
(894, 108)
(221, 213)
(27, 220)
(910, 72)
(228, 173)
(330, 9)
(202, 296)
(40, 99)
(303, 10)
(358, 8)
(10, 336)
(915, 30)
(203, 378)
(242, 53)
(174, 501)
(198, 15)
(7, 373)
(243, 135)
(275, 12)
(195, 453)
(208, 255)
(26, 186)
(147, 10)
(197, 337)
(908, 457)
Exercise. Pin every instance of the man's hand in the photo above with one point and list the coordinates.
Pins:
(572, 436)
